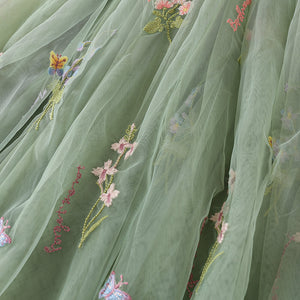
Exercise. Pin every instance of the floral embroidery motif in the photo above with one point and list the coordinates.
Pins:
(240, 17)
(4, 238)
(111, 290)
(168, 16)
(58, 228)
(106, 185)
(64, 73)
(296, 239)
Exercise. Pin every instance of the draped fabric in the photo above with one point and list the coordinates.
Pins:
(217, 115)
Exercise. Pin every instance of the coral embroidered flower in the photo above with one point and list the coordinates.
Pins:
(121, 146)
(222, 232)
(184, 8)
(160, 4)
(231, 180)
(131, 147)
(102, 172)
(110, 195)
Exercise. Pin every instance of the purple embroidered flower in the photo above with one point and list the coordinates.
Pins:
(106, 170)
(131, 147)
(110, 195)
(287, 119)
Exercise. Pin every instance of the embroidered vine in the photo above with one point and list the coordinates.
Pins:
(240, 17)
(105, 176)
(111, 290)
(169, 15)
(58, 228)
(294, 238)
(4, 238)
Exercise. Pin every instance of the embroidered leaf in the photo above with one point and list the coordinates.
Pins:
(177, 22)
(154, 26)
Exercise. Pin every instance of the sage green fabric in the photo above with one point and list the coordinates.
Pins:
(204, 104)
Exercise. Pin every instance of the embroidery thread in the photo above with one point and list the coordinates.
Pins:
(240, 17)
(111, 290)
(106, 185)
(168, 16)
(58, 228)
(4, 238)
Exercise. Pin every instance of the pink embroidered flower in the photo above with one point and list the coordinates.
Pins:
(1, 53)
(184, 8)
(102, 172)
(120, 147)
(160, 4)
(110, 195)
(131, 147)
(222, 232)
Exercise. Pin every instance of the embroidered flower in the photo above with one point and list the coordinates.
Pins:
(184, 8)
(110, 195)
(132, 148)
(4, 238)
(160, 4)
(1, 53)
(121, 146)
(231, 180)
(106, 170)
(106, 185)
(222, 232)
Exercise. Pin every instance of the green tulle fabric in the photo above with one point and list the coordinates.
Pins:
(217, 114)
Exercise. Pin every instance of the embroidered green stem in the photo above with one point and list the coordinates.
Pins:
(93, 227)
(211, 258)
(108, 192)
(164, 21)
